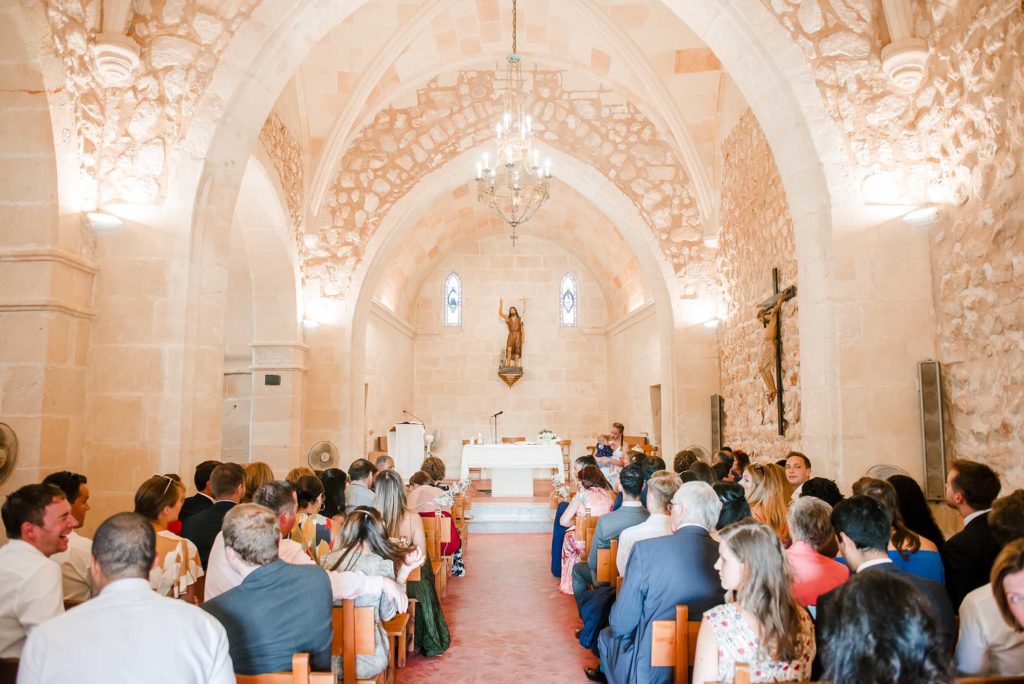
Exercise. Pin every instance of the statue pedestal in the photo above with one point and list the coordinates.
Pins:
(510, 375)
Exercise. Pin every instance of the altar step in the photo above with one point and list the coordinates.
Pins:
(509, 516)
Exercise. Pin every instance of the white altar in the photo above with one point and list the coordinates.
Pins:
(511, 464)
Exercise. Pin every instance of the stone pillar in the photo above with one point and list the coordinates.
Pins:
(276, 412)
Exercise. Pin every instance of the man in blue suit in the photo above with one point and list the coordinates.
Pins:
(662, 572)
(863, 526)
(279, 609)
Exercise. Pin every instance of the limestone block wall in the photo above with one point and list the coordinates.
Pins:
(757, 235)
(634, 365)
(456, 385)
(388, 371)
(236, 416)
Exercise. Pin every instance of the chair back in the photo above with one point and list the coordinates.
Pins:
(354, 634)
(591, 527)
(634, 440)
(674, 642)
(8, 670)
(607, 569)
(430, 532)
(512, 440)
(300, 674)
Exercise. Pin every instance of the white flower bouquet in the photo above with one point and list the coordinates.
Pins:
(547, 435)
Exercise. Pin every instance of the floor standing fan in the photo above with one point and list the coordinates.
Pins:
(322, 456)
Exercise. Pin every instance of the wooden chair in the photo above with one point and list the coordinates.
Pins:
(512, 440)
(566, 445)
(8, 670)
(582, 528)
(355, 633)
(461, 520)
(300, 674)
(634, 440)
(591, 528)
(607, 569)
(397, 629)
(437, 564)
(674, 643)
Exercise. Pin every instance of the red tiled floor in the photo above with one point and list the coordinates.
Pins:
(508, 621)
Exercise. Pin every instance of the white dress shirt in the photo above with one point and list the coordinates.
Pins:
(344, 585)
(987, 645)
(131, 634)
(74, 565)
(656, 525)
(30, 594)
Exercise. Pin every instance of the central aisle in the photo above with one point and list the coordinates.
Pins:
(508, 621)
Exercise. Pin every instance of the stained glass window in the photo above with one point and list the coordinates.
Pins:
(452, 300)
(567, 301)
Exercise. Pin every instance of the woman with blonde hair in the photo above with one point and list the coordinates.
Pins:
(177, 567)
(768, 493)
(405, 527)
(762, 625)
(257, 474)
(301, 471)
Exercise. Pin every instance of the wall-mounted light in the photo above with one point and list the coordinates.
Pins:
(310, 323)
(922, 216)
(712, 323)
(98, 220)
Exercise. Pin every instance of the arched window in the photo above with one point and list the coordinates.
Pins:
(452, 300)
(567, 302)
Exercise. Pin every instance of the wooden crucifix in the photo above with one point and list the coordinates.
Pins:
(770, 315)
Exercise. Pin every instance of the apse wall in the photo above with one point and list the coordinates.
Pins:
(634, 366)
(564, 387)
(387, 388)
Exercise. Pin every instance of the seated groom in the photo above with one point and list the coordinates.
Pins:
(279, 609)
(661, 573)
(609, 527)
(128, 633)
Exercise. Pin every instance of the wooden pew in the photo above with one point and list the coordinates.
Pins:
(607, 570)
(674, 643)
(300, 674)
(355, 632)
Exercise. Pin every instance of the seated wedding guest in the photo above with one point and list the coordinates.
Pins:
(822, 488)
(203, 498)
(721, 465)
(705, 473)
(661, 573)
(227, 483)
(648, 465)
(177, 568)
(128, 633)
(739, 464)
(271, 595)
(734, 504)
(257, 474)
(594, 497)
(76, 561)
(405, 528)
(895, 640)
(683, 460)
(609, 527)
(334, 481)
(763, 625)
(38, 520)
(987, 644)
(384, 462)
(557, 531)
(360, 484)
(907, 550)
(611, 453)
(798, 471)
(864, 525)
(279, 497)
(768, 493)
(968, 555)
(917, 516)
(813, 574)
(661, 488)
(435, 468)
(364, 547)
(311, 529)
(1008, 584)
(301, 471)
(428, 500)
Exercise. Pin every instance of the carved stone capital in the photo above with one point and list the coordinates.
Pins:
(905, 62)
(116, 56)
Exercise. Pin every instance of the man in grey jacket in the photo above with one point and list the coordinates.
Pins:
(609, 527)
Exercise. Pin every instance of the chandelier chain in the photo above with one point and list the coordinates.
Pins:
(514, 23)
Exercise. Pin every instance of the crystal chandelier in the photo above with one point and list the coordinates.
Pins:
(516, 183)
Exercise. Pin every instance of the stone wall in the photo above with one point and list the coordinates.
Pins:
(388, 372)
(757, 235)
(456, 386)
(634, 365)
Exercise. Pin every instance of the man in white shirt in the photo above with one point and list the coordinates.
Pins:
(798, 471)
(279, 496)
(660, 489)
(128, 633)
(76, 561)
(988, 645)
(37, 519)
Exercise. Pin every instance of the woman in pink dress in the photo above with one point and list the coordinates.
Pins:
(595, 495)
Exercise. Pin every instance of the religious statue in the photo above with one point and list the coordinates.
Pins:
(769, 317)
(514, 341)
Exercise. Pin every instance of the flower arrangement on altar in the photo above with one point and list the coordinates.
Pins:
(547, 435)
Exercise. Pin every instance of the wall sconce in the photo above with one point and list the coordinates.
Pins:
(101, 221)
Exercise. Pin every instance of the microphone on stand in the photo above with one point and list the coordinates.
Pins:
(497, 414)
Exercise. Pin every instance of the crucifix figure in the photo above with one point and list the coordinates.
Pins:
(770, 315)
